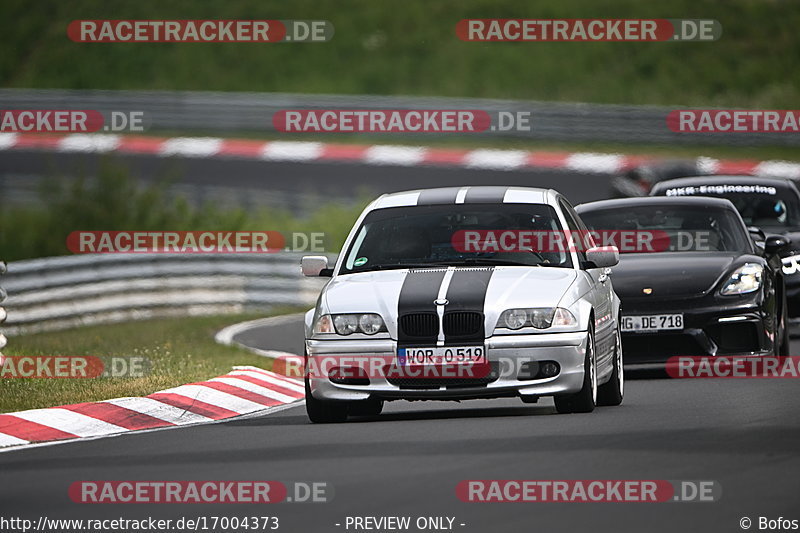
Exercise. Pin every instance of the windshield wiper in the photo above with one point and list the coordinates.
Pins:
(398, 266)
(467, 261)
(491, 261)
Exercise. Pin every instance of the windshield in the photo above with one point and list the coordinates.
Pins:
(675, 228)
(424, 236)
(760, 206)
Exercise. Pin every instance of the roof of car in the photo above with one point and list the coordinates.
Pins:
(493, 194)
(724, 180)
(656, 201)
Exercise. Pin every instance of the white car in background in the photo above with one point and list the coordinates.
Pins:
(404, 307)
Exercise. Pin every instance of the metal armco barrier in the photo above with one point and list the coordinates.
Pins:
(3, 340)
(232, 112)
(61, 292)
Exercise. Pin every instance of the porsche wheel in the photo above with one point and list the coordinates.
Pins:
(784, 349)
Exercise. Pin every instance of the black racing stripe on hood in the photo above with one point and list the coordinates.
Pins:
(420, 288)
(467, 293)
(485, 195)
(445, 195)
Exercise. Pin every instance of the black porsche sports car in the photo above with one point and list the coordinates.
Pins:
(769, 204)
(639, 180)
(705, 288)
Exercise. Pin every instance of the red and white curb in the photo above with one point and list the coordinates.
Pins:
(299, 151)
(243, 391)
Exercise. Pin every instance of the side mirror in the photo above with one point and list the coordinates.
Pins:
(756, 233)
(603, 256)
(775, 243)
(758, 236)
(315, 266)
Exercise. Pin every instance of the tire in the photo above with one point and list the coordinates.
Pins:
(324, 411)
(584, 400)
(784, 349)
(612, 392)
(368, 407)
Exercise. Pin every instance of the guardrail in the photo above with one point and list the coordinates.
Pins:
(62, 292)
(3, 315)
(232, 112)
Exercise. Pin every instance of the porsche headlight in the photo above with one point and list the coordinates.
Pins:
(349, 323)
(746, 279)
(538, 317)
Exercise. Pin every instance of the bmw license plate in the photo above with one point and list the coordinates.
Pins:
(652, 322)
(442, 355)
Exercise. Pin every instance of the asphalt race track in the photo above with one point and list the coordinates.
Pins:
(342, 180)
(407, 462)
(743, 434)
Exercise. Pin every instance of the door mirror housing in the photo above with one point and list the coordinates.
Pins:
(602, 256)
(757, 235)
(315, 266)
(775, 243)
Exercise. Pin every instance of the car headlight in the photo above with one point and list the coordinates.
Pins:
(347, 324)
(746, 278)
(370, 323)
(514, 318)
(324, 324)
(564, 317)
(539, 318)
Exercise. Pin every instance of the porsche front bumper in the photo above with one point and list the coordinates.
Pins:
(716, 328)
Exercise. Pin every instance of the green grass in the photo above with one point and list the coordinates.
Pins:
(114, 202)
(411, 48)
(180, 350)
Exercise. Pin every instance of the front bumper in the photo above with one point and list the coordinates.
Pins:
(736, 328)
(506, 353)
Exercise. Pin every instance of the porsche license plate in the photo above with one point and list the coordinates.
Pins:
(442, 355)
(653, 322)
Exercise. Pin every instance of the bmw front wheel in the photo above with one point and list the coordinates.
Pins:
(584, 400)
